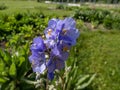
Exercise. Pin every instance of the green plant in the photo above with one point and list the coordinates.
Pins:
(60, 6)
(112, 21)
(14, 69)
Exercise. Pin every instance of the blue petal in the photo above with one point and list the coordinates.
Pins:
(55, 51)
(64, 56)
(70, 36)
(50, 43)
(60, 64)
(51, 66)
(38, 44)
(50, 76)
(59, 26)
(37, 40)
(40, 68)
(73, 33)
(36, 60)
(52, 23)
(52, 34)
(69, 22)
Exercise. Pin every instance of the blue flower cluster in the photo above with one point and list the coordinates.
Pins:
(60, 36)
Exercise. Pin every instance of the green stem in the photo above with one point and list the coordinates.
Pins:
(29, 81)
(62, 83)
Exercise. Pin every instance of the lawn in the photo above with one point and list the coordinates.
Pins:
(31, 6)
(98, 52)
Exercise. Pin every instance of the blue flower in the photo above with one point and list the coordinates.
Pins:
(37, 59)
(60, 36)
(57, 59)
(69, 33)
(38, 44)
(50, 76)
(50, 31)
(64, 30)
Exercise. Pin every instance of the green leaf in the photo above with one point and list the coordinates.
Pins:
(3, 79)
(69, 84)
(8, 86)
(12, 70)
(2, 65)
(3, 68)
(86, 83)
(81, 80)
(21, 61)
(5, 56)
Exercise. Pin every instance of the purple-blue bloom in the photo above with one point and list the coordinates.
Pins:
(50, 76)
(60, 36)
(50, 31)
(57, 59)
(37, 59)
(64, 30)
(69, 33)
(38, 45)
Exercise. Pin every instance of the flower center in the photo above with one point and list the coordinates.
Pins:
(55, 58)
(65, 48)
(64, 31)
(49, 31)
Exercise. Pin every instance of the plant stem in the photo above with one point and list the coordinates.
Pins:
(29, 81)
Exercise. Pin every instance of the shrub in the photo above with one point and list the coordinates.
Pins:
(108, 22)
(60, 6)
(88, 14)
(112, 21)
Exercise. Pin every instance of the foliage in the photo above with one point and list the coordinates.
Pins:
(109, 19)
(88, 14)
(60, 6)
(14, 67)
(112, 21)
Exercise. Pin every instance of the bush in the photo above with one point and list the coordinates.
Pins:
(60, 6)
(88, 14)
(112, 21)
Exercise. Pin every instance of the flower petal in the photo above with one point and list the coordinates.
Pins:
(60, 64)
(51, 66)
(52, 23)
(50, 76)
(40, 68)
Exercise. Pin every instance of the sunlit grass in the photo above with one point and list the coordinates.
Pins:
(33, 7)
(98, 52)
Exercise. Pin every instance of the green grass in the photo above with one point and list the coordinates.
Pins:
(31, 6)
(99, 52)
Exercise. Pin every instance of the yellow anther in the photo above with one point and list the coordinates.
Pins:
(49, 31)
(65, 48)
(64, 31)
